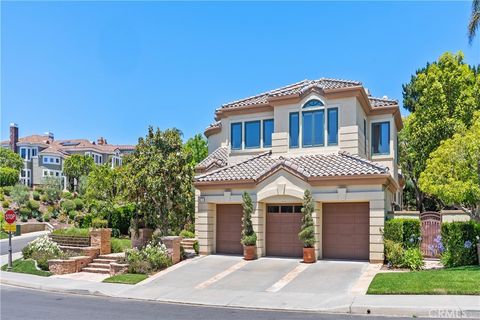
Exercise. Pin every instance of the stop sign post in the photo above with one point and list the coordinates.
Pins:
(10, 218)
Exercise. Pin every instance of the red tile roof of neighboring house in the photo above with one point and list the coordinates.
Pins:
(318, 165)
(218, 158)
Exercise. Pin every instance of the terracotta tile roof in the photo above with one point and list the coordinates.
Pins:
(53, 150)
(382, 102)
(318, 165)
(218, 158)
(296, 88)
(36, 139)
(301, 87)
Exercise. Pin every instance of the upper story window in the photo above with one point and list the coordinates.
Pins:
(313, 103)
(97, 158)
(312, 128)
(252, 134)
(332, 126)
(236, 136)
(50, 160)
(116, 161)
(268, 128)
(28, 153)
(294, 129)
(381, 138)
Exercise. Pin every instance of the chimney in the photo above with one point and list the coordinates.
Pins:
(50, 135)
(13, 136)
(101, 141)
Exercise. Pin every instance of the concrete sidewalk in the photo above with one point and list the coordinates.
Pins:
(398, 305)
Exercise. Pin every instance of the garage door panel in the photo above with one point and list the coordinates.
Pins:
(229, 229)
(282, 234)
(345, 231)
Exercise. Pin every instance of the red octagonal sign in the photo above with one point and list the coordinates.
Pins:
(10, 216)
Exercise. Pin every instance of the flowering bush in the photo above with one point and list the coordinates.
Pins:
(151, 258)
(42, 249)
(459, 240)
(402, 243)
(413, 259)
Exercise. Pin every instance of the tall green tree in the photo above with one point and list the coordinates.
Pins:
(103, 183)
(76, 166)
(442, 98)
(10, 159)
(474, 20)
(453, 170)
(197, 146)
(248, 237)
(158, 179)
(307, 231)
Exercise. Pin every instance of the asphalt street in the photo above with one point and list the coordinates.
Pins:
(17, 244)
(19, 304)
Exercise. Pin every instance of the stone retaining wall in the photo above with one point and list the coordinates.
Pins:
(173, 246)
(118, 268)
(71, 241)
(58, 266)
(92, 252)
(101, 238)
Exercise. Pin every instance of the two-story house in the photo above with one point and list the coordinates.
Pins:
(329, 136)
(44, 156)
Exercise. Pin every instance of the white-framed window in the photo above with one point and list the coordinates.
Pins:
(26, 153)
(51, 173)
(116, 161)
(50, 160)
(26, 177)
(97, 158)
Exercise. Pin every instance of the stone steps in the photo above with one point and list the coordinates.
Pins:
(107, 261)
(97, 270)
(187, 244)
(99, 265)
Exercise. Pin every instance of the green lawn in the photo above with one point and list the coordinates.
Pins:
(127, 278)
(26, 266)
(461, 280)
(3, 235)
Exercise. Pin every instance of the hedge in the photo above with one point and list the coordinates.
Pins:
(460, 240)
(404, 231)
(8, 177)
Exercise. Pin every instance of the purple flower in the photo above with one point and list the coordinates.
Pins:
(468, 244)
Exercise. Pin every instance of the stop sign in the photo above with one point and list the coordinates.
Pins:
(10, 216)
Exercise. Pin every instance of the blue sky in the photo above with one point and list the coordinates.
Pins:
(84, 70)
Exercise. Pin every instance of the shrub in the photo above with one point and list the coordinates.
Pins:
(249, 237)
(307, 231)
(36, 195)
(5, 204)
(67, 195)
(20, 194)
(411, 233)
(459, 240)
(53, 211)
(413, 259)
(52, 189)
(41, 250)
(7, 190)
(78, 219)
(394, 253)
(120, 218)
(99, 223)
(2, 197)
(33, 205)
(87, 221)
(68, 205)
(196, 247)
(72, 214)
(120, 245)
(185, 234)
(393, 230)
(43, 198)
(149, 259)
(46, 217)
(78, 203)
(25, 213)
(8, 176)
(39, 190)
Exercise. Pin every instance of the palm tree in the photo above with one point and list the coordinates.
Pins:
(474, 20)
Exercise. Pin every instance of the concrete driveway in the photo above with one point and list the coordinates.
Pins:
(272, 283)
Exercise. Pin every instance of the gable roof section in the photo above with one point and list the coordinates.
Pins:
(308, 167)
(218, 158)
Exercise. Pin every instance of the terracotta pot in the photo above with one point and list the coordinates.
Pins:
(309, 255)
(249, 252)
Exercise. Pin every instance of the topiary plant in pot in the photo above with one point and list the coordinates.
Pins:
(249, 237)
(307, 232)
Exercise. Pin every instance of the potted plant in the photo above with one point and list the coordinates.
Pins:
(249, 237)
(307, 232)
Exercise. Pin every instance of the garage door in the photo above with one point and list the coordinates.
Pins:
(229, 228)
(283, 226)
(345, 231)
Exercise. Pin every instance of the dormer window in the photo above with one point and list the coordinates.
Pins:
(313, 103)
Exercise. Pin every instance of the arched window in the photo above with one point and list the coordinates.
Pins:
(313, 103)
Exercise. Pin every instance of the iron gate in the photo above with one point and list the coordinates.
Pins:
(431, 225)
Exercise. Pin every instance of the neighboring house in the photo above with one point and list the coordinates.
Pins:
(329, 136)
(44, 156)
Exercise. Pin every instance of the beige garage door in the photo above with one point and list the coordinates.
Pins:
(345, 231)
(283, 226)
(229, 228)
